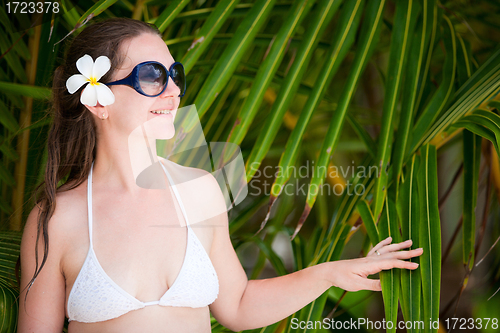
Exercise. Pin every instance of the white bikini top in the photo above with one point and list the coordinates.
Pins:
(95, 297)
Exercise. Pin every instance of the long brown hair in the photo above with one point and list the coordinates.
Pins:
(72, 136)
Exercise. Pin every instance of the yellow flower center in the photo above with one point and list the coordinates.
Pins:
(93, 81)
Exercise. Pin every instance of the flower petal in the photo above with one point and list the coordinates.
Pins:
(101, 67)
(75, 82)
(104, 95)
(85, 65)
(89, 96)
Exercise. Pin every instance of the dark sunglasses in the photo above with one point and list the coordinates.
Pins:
(150, 78)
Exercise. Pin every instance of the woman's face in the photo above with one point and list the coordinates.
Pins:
(131, 110)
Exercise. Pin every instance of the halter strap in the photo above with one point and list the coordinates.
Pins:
(177, 195)
(89, 202)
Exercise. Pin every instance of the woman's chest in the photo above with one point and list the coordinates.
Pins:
(139, 249)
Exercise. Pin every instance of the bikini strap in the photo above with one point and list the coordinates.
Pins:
(89, 202)
(177, 195)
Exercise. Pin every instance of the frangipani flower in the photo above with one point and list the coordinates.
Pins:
(91, 72)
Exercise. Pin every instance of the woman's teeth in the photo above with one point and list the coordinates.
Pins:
(161, 112)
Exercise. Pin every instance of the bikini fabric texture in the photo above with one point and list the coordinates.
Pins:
(94, 297)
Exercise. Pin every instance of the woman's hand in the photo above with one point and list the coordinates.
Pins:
(351, 275)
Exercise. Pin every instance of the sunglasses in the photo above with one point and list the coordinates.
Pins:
(150, 78)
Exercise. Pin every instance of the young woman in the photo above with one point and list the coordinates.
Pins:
(125, 257)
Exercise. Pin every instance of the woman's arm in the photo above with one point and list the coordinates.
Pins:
(244, 304)
(43, 309)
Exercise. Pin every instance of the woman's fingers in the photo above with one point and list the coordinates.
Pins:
(377, 286)
(386, 241)
(397, 246)
(372, 284)
(407, 254)
(389, 258)
(383, 247)
(396, 263)
(363, 283)
(406, 264)
(377, 247)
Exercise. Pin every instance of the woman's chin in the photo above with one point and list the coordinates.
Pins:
(162, 135)
(160, 128)
(165, 135)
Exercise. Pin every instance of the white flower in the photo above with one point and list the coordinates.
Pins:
(91, 72)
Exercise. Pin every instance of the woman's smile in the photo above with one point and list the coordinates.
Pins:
(165, 113)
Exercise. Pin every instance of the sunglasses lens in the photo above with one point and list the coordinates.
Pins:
(177, 72)
(152, 78)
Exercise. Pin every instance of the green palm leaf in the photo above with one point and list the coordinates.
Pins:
(322, 17)
(400, 44)
(429, 235)
(408, 210)
(370, 31)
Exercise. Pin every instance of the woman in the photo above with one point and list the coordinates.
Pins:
(109, 267)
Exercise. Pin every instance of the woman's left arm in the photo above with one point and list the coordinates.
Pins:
(244, 304)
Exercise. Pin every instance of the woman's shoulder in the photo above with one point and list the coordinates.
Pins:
(200, 186)
(71, 202)
(193, 178)
(183, 174)
(63, 228)
(190, 178)
(69, 213)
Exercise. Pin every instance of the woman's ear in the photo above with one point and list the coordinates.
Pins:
(98, 110)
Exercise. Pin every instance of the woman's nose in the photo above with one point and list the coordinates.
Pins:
(172, 89)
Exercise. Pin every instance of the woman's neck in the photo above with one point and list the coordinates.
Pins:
(130, 163)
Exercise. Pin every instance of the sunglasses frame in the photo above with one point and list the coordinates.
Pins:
(132, 80)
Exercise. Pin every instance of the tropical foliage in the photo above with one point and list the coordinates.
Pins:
(415, 80)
